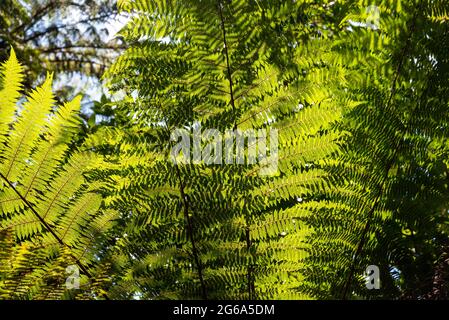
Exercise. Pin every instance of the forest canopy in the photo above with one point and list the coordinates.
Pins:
(239, 149)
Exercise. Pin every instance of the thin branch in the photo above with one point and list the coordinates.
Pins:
(190, 233)
(189, 226)
(48, 227)
(228, 66)
(105, 47)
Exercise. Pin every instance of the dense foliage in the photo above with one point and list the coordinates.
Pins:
(358, 95)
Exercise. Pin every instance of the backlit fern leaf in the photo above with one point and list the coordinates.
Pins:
(51, 216)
